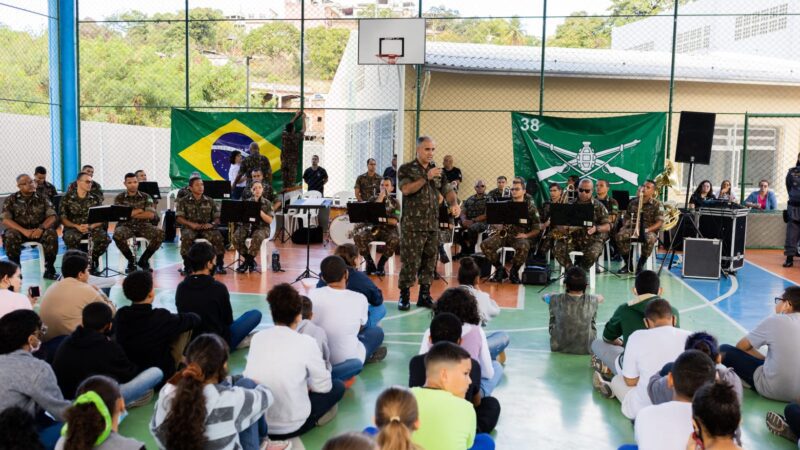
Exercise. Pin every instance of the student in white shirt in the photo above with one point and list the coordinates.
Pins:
(645, 354)
(10, 286)
(668, 425)
(290, 364)
(343, 314)
(307, 327)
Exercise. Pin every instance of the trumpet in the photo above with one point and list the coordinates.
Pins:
(636, 221)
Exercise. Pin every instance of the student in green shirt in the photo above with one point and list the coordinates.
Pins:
(447, 421)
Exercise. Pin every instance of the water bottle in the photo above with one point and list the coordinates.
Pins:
(276, 261)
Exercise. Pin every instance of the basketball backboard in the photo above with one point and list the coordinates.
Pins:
(404, 38)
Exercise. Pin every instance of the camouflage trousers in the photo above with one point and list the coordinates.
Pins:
(134, 229)
(256, 236)
(388, 234)
(213, 236)
(289, 167)
(624, 243)
(469, 236)
(99, 240)
(418, 257)
(521, 247)
(591, 249)
(13, 240)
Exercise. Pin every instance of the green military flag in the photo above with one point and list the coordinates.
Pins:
(625, 150)
(203, 141)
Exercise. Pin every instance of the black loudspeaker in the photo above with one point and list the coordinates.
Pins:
(701, 258)
(536, 275)
(314, 235)
(695, 136)
(729, 226)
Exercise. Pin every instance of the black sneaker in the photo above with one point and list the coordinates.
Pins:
(404, 304)
(378, 356)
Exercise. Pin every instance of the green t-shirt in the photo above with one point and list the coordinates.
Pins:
(446, 421)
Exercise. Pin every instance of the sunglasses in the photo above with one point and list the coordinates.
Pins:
(585, 191)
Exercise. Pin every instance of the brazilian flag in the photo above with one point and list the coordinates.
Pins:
(203, 141)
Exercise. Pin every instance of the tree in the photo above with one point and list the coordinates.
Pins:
(372, 11)
(325, 49)
(485, 31)
(275, 39)
(580, 31)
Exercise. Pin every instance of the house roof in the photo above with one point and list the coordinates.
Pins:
(606, 63)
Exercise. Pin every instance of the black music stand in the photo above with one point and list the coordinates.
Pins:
(108, 213)
(572, 215)
(217, 189)
(308, 204)
(150, 188)
(622, 198)
(242, 212)
(367, 212)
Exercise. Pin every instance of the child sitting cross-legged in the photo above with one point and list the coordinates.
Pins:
(573, 315)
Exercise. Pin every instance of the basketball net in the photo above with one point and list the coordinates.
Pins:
(389, 58)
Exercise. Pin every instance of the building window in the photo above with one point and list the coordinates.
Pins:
(645, 47)
(761, 22)
(693, 40)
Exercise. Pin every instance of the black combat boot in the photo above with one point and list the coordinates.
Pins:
(95, 267)
(404, 304)
(243, 265)
(626, 265)
(640, 264)
(371, 269)
(251, 265)
(424, 299)
(381, 264)
(443, 255)
(144, 260)
(185, 271)
(499, 273)
(50, 270)
(513, 276)
(789, 261)
(131, 265)
(221, 265)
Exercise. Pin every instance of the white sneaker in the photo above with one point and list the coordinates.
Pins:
(275, 445)
(602, 386)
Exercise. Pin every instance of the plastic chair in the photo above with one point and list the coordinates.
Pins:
(132, 245)
(273, 227)
(592, 270)
(40, 247)
(636, 250)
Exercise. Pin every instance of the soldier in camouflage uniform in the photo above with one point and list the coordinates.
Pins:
(266, 189)
(650, 223)
(291, 140)
(386, 232)
(589, 240)
(473, 218)
(546, 240)
(44, 187)
(28, 216)
(75, 217)
(257, 232)
(96, 189)
(254, 161)
(516, 236)
(420, 183)
(139, 224)
(497, 193)
(368, 184)
(198, 214)
(612, 206)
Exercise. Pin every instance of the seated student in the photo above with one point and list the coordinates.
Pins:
(573, 315)
(646, 353)
(773, 376)
(11, 298)
(201, 294)
(18, 430)
(342, 313)
(446, 420)
(446, 327)
(667, 425)
(198, 408)
(658, 387)
(25, 381)
(307, 327)
(92, 422)
(63, 301)
(359, 281)
(786, 425)
(461, 303)
(716, 416)
(89, 351)
(396, 418)
(291, 365)
(350, 441)
(469, 275)
(151, 337)
(627, 318)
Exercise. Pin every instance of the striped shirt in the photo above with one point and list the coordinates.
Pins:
(229, 410)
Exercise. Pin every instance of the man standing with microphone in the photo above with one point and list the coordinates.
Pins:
(420, 181)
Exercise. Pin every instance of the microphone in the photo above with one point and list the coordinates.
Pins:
(437, 178)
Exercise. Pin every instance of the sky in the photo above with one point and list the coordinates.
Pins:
(98, 9)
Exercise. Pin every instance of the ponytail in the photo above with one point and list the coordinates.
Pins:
(396, 415)
(89, 418)
(185, 424)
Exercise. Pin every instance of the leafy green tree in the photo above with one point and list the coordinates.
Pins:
(372, 11)
(275, 39)
(580, 31)
(325, 49)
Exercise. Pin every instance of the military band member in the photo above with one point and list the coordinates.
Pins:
(29, 216)
(368, 184)
(473, 218)
(589, 240)
(386, 232)
(139, 225)
(96, 189)
(611, 204)
(75, 217)
(499, 192)
(257, 232)
(186, 191)
(420, 184)
(141, 175)
(198, 214)
(516, 236)
(546, 240)
(43, 187)
(255, 160)
(651, 219)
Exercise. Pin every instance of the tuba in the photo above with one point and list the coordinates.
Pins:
(667, 179)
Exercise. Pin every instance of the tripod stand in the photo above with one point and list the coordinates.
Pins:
(685, 216)
(308, 204)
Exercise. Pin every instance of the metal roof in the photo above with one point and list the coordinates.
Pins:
(607, 63)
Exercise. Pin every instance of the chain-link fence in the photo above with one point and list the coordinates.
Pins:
(483, 60)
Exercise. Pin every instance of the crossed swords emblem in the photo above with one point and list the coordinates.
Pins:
(587, 161)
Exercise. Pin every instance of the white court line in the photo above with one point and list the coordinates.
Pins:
(771, 273)
(398, 316)
(731, 291)
(402, 343)
(712, 305)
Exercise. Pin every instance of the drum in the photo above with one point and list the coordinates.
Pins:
(341, 230)
(337, 211)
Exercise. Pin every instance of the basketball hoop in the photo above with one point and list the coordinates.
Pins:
(389, 58)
